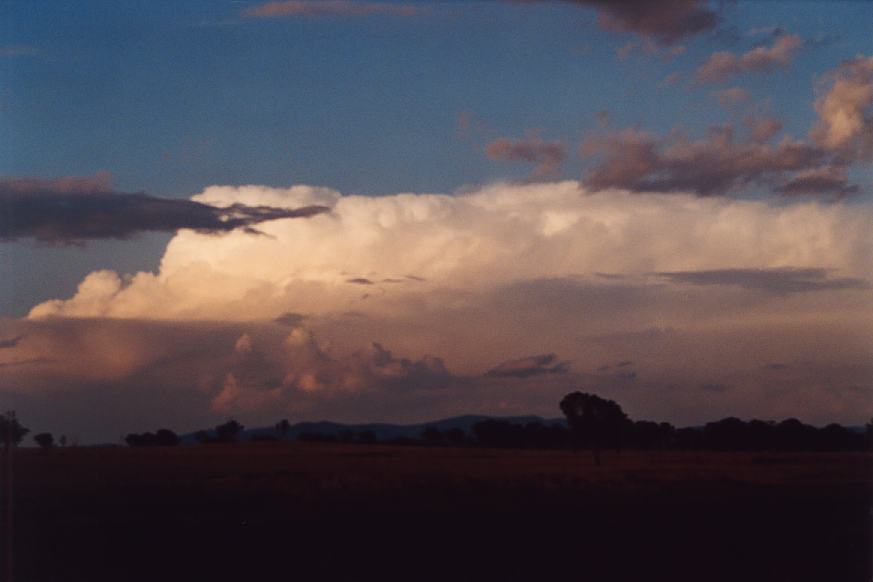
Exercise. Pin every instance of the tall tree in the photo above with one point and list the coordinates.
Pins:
(594, 421)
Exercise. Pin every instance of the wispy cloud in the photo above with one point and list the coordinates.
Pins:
(530, 366)
(547, 156)
(18, 50)
(308, 8)
(723, 65)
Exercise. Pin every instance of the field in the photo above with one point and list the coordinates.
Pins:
(273, 511)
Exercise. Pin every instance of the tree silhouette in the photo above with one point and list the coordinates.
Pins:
(163, 438)
(229, 431)
(166, 438)
(12, 431)
(282, 427)
(594, 421)
(44, 439)
(500, 434)
(432, 435)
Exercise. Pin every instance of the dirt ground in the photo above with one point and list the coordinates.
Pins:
(376, 512)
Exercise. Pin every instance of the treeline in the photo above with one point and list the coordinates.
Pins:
(729, 434)
(592, 423)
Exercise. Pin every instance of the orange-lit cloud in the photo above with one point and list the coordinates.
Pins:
(723, 65)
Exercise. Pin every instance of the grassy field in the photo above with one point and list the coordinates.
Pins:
(361, 512)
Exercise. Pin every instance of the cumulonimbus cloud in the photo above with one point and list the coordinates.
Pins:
(723, 65)
(77, 209)
(269, 327)
(411, 245)
(304, 8)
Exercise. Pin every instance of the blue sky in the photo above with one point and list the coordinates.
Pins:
(171, 97)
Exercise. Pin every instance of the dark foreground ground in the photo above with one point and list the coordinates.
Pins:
(354, 512)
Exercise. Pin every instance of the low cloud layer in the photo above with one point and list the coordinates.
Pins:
(77, 209)
(779, 281)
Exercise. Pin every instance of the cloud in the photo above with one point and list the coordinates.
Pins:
(827, 179)
(664, 22)
(546, 155)
(781, 281)
(290, 319)
(76, 209)
(99, 183)
(845, 117)
(530, 366)
(306, 8)
(266, 327)
(486, 239)
(723, 65)
(762, 129)
(18, 50)
(715, 165)
(731, 96)
(10, 342)
(720, 164)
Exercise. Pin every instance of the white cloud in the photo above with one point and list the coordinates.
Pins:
(421, 247)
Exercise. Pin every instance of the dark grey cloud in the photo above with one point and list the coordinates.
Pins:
(665, 22)
(290, 319)
(360, 281)
(782, 281)
(337, 8)
(828, 179)
(530, 366)
(77, 209)
(10, 342)
(777, 366)
(27, 362)
(644, 336)
(715, 165)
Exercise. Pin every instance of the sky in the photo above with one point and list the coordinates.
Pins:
(402, 211)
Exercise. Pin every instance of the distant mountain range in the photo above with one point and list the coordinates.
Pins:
(382, 431)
